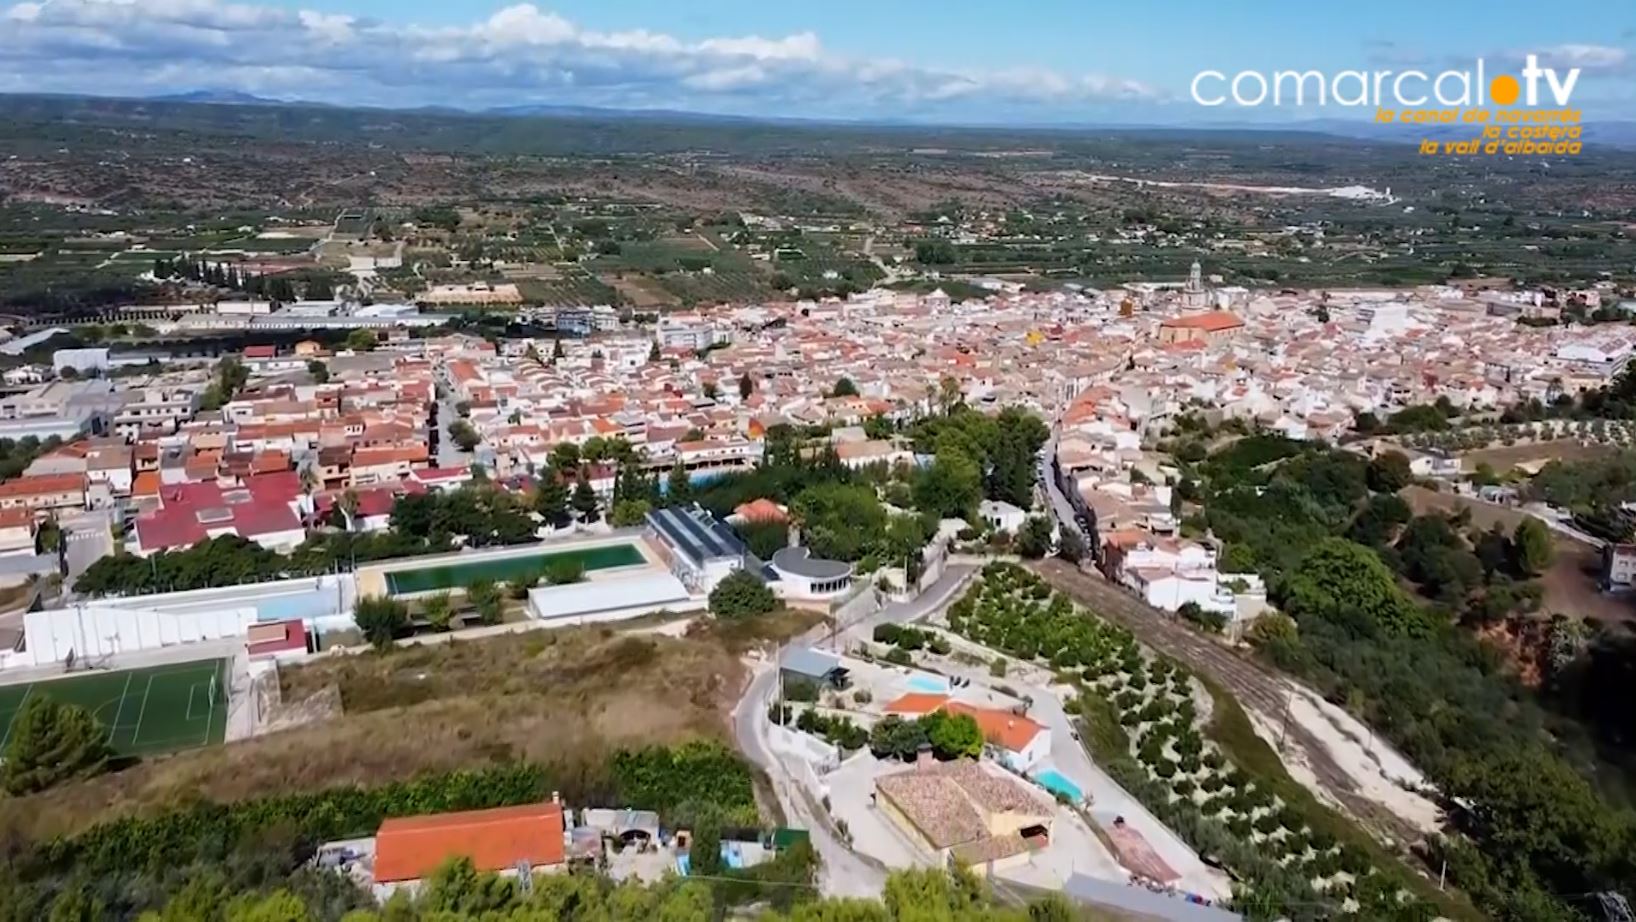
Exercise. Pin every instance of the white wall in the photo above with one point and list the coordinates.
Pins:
(101, 630)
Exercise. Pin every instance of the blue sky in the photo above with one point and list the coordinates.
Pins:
(1040, 61)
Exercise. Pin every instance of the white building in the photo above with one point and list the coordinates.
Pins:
(803, 576)
(83, 361)
(1001, 516)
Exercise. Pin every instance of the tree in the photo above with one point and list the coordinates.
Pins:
(629, 512)
(565, 456)
(844, 388)
(584, 499)
(678, 486)
(840, 521)
(486, 600)
(740, 594)
(746, 387)
(380, 619)
(347, 506)
(704, 852)
(1531, 543)
(950, 486)
(1389, 472)
(464, 435)
(1339, 576)
(1034, 538)
(438, 610)
(52, 742)
(1071, 545)
(456, 888)
(318, 370)
(362, 340)
(711, 390)
(953, 736)
(551, 500)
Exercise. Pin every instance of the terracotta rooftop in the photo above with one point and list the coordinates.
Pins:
(412, 847)
(1210, 322)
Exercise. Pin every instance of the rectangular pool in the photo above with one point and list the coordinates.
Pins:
(454, 575)
(921, 682)
(1055, 782)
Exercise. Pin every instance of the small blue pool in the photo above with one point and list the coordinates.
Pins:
(922, 682)
(1055, 782)
(732, 856)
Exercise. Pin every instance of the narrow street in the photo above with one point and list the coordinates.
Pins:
(844, 872)
(1252, 684)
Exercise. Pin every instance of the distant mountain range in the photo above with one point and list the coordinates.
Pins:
(1619, 134)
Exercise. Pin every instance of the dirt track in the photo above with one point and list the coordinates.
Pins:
(1254, 685)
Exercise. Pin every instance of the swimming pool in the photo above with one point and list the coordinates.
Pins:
(922, 682)
(731, 857)
(1055, 782)
(458, 573)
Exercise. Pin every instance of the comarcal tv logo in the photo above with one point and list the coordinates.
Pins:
(1530, 112)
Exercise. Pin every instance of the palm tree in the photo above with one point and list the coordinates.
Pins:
(348, 505)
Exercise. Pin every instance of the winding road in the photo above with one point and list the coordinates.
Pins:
(843, 871)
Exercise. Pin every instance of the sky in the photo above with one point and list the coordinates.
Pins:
(954, 61)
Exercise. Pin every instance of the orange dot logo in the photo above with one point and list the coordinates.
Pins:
(1504, 89)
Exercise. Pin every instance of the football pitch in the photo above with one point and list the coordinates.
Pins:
(145, 711)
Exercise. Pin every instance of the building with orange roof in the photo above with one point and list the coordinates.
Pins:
(1207, 327)
(760, 510)
(503, 840)
(1019, 741)
(44, 493)
(17, 532)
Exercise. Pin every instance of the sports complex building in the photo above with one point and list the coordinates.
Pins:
(191, 645)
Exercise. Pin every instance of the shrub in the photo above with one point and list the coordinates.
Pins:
(741, 595)
(485, 598)
(564, 571)
(438, 610)
(380, 619)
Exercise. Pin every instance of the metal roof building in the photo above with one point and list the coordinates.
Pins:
(700, 550)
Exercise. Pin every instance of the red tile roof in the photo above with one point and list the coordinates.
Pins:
(1210, 322)
(43, 485)
(761, 510)
(412, 847)
(189, 512)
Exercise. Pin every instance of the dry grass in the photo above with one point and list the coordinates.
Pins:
(1503, 458)
(567, 698)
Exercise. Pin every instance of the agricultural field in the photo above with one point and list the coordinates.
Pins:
(573, 289)
(1159, 732)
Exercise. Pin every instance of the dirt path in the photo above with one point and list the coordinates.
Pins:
(1254, 685)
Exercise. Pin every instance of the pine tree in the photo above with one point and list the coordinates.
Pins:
(585, 501)
(679, 488)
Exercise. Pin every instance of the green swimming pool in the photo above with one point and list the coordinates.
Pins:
(507, 569)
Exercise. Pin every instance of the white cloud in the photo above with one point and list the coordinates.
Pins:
(1589, 57)
(519, 54)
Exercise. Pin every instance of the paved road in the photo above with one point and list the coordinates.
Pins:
(1254, 685)
(843, 872)
(89, 538)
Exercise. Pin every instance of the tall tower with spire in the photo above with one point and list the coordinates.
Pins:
(1195, 297)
